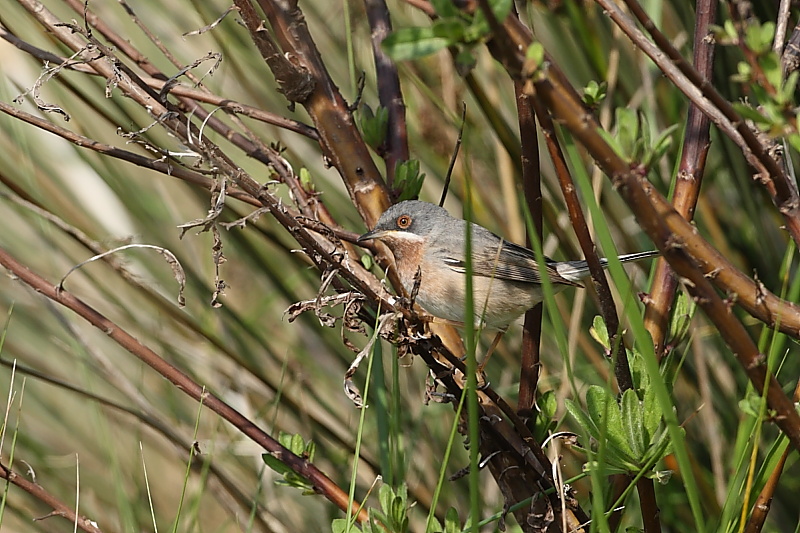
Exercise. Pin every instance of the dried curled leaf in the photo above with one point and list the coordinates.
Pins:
(172, 261)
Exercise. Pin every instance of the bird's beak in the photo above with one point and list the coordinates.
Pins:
(374, 234)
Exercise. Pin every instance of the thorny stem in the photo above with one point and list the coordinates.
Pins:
(783, 192)
(532, 185)
(690, 174)
(389, 92)
(677, 240)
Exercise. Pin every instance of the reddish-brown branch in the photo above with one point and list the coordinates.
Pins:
(690, 174)
(688, 254)
(662, 224)
(389, 92)
(607, 307)
(305, 80)
(59, 508)
(770, 173)
(566, 106)
(302, 467)
(532, 186)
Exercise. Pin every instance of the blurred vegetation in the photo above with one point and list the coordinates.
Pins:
(102, 431)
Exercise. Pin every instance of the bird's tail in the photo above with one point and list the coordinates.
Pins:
(579, 270)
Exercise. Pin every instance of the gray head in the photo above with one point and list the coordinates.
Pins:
(411, 216)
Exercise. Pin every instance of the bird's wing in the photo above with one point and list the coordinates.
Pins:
(511, 262)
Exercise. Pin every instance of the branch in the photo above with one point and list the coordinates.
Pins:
(690, 174)
(688, 254)
(783, 192)
(59, 507)
(182, 382)
(389, 91)
(532, 186)
(303, 78)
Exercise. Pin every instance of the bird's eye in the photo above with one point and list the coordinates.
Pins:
(403, 221)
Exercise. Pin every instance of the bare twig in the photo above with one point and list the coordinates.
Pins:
(59, 508)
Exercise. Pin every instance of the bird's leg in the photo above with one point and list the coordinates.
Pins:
(491, 350)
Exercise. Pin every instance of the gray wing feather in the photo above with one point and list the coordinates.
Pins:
(512, 263)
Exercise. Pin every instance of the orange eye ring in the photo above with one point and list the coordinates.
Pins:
(403, 221)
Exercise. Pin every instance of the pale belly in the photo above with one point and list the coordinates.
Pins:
(496, 303)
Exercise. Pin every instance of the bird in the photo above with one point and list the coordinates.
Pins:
(429, 247)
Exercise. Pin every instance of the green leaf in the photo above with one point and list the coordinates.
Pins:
(413, 43)
(547, 405)
(446, 9)
(298, 445)
(305, 180)
(758, 37)
(408, 179)
(386, 497)
(750, 113)
(626, 131)
(682, 313)
(659, 147)
(794, 141)
(633, 421)
(651, 413)
(276, 464)
(771, 65)
(786, 94)
(535, 53)
(599, 332)
(582, 419)
(398, 513)
(373, 125)
(605, 413)
(366, 260)
(436, 527)
(612, 142)
(751, 404)
(452, 524)
(339, 525)
(379, 517)
(594, 93)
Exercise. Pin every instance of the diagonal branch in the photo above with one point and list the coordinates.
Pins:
(299, 69)
(59, 507)
(302, 467)
(688, 254)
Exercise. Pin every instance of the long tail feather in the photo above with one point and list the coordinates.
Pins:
(579, 270)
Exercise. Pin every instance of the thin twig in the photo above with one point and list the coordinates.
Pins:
(59, 508)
